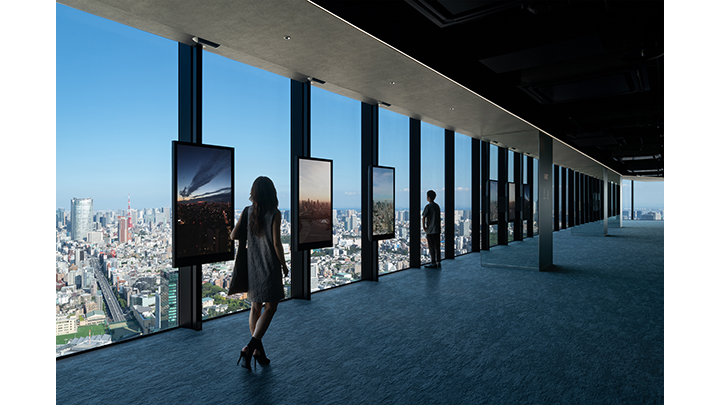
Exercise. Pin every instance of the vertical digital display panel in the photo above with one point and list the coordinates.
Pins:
(511, 202)
(527, 203)
(382, 202)
(315, 203)
(202, 203)
(493, 202)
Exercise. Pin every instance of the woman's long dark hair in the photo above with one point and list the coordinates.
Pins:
(264, 198)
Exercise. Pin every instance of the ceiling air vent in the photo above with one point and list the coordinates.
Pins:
(625, 82)
(445, 13)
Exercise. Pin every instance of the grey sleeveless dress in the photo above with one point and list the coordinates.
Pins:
(264, 270)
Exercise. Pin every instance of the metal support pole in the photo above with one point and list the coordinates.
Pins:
(449, 194)
(189, 288)
(476, 217)
(299, 147)
(369, 157)
(415, 194)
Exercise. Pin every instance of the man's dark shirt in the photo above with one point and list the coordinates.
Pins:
(432, 212)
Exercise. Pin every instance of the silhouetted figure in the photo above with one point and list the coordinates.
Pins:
(266, 265)
(431, 225)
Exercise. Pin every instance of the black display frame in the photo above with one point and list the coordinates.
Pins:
(199, 258)
(371, 205)
(493, 218)
(297, 243)
(512, 201)
(527, 203)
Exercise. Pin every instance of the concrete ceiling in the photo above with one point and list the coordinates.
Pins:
(350, 62)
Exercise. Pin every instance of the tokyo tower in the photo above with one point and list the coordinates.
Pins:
(129, 217)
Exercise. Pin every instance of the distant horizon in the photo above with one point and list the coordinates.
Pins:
(637, 208)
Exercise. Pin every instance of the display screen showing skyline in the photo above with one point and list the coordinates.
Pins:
(511, 202)
(383, 202)
(493, 202)
(315, 206)
(527, 204)
(203, 202)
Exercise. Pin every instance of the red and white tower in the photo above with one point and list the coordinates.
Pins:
(129, 216)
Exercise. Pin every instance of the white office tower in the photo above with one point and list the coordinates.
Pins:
(81, 214)
(465, 228)
(313, 277)
(95, 237)
(158, 306)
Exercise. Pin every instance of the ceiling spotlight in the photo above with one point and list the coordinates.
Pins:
(384, 104)
(286, 37)
(313, 80)
(393, 83)
(205, 42)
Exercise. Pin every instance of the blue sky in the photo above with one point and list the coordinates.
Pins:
(116, 118)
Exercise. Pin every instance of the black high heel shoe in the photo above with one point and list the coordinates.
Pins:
(251, 347)
(259, 355)
(244, 355)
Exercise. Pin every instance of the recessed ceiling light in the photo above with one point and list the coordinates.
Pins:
(452, 108)
(393, 83)
(286, 37)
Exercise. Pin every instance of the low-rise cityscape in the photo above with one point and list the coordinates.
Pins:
(114, 277)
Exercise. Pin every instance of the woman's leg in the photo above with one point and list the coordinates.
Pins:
(263, 322)
(255, 311)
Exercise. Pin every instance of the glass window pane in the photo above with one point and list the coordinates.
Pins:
(463, 194)
(248, 109)
(432, 177)
(393, 151)
(335, 134)
(535, 196)
(116, 117)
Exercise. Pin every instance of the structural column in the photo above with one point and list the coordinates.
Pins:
(449, 194)
(415, 194)
(369, 158)
(476, 218)
(299, 147)
(545, 205)
(620, 198)
(605, 206)
(556, 197)
(519, 200)
(485, 194)
(563, 198)
(528, 211)
(502, 196)
(632, 199)
(571, 198)
(189, 288)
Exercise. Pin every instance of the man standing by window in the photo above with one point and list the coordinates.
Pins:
(431, 225)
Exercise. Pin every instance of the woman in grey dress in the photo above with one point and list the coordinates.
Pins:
(266, 265)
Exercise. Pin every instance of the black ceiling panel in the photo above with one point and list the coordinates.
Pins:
(573, 68)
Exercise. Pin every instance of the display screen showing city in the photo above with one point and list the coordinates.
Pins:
(203, 204)
(382, 202)
(315, 223)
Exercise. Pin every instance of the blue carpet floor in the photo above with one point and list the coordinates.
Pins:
(588, 332)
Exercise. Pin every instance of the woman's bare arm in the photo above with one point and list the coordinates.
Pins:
(277, 242)
(235, 234)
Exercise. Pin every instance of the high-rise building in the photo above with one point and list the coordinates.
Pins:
(465, 228)
(81, 213)
(168, 293)
(313, 277)
(122, 229)
(60, 217)
(95, 237)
